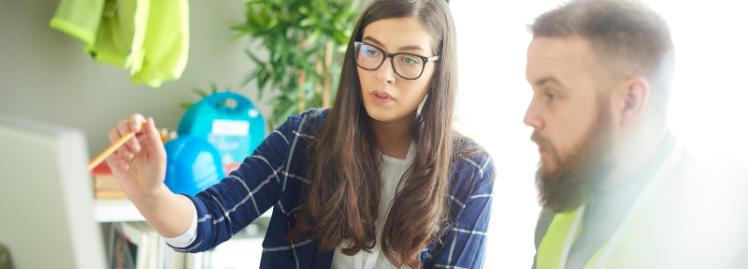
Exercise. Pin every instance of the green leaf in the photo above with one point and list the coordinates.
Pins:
(279, 28)
(307, 21)
(185, 105)
(199, 92)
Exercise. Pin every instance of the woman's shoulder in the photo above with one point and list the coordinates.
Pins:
(470, 154)
(472, 173)
(471, 161)
(307, 122)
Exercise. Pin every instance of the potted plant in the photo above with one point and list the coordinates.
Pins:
(299, 46)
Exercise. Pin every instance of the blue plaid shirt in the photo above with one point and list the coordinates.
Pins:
(273, 177)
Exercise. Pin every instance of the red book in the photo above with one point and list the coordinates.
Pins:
(105, 185)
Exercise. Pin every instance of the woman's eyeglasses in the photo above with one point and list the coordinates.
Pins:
(406, 65)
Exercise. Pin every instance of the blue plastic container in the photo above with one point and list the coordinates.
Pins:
(192, 165)
(230, 122)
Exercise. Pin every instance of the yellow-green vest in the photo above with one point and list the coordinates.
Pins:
(621, 249)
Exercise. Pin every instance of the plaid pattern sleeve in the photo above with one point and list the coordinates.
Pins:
(245, 194)
(464, 242)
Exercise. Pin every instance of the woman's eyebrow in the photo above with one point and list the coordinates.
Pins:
(379, 43)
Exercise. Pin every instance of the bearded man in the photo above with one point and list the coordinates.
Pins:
(617, 190)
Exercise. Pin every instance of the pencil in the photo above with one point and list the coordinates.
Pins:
(110, 149)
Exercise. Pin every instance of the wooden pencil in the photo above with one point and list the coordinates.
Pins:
(110, 149)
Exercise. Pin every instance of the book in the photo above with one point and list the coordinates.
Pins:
(109, 194)
(103, 178)
(136, 245)
(123, 249)
(143, 243)
(105, 185)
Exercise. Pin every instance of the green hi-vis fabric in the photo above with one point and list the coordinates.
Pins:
(148, 38)
(119, 40)
(79, 19)
(551, 247)
(651, 234)
(561, 232)
(166, 43)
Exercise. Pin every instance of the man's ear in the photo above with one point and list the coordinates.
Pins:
(635, 95)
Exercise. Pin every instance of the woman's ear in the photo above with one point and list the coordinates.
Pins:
(635, 96)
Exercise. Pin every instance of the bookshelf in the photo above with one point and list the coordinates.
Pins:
(125, 229)
(111, 213)
(116, 211)
(124, 211)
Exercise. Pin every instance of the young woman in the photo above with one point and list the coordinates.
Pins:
(379, 181)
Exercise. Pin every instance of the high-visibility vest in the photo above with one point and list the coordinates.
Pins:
(566, 227)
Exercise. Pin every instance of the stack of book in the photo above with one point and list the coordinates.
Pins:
(104, 184)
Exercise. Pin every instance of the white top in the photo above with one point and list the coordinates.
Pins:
(185, 239)
(392, 170)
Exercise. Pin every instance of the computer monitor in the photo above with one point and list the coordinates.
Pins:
(46, 200)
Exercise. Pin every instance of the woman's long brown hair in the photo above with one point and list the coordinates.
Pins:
(342, 201)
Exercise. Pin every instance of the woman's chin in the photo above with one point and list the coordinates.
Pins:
(381, 114)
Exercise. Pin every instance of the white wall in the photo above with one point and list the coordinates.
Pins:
(45, 75)
(707, 113)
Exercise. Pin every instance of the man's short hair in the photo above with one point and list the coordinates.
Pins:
(630, 38)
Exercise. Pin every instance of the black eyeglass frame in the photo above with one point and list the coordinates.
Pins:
(425, 60)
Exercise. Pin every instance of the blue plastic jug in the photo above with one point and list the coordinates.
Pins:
(192, 165)
(230, 122)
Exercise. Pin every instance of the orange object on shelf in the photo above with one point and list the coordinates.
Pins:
(105, 186)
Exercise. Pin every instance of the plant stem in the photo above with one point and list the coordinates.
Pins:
(327, 75)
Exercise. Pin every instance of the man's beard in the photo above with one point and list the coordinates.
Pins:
(568, 187)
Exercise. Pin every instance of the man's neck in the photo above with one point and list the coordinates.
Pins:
(632, 153)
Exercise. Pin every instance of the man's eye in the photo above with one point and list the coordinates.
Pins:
(550, 96)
